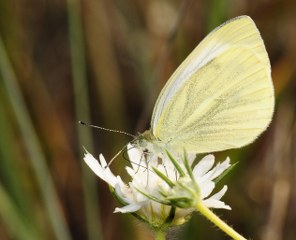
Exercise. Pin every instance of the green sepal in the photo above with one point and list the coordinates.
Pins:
(220, 177)
(189, 170)
(176, 164)
(155, 199)
(163, 177)
(181, 202)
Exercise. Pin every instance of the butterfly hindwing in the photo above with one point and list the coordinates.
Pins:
(221, 96)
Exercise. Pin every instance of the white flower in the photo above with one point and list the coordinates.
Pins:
(162, 189)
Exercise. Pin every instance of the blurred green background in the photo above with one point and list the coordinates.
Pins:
(104, 62)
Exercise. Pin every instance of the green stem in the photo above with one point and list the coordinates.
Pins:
(160, 235)
(218, 222)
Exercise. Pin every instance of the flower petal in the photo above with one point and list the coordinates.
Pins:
(214, 200)
(213, 203)
(216, 171)
(128, 208)
(206, 188)
(220, 168)
(100, 169)
(135, 156)
(220, 194)
(130, 171)
(203, 166)
(126, 195)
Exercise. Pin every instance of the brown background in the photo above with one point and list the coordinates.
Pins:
(105, 62)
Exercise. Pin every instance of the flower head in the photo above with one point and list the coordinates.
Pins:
(163, 188)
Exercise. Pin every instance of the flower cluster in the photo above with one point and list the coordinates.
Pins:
(164, 188)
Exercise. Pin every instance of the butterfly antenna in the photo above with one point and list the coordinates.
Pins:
(115, 156)
(107, 129)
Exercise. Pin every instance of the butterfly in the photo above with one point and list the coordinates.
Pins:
(221, 97)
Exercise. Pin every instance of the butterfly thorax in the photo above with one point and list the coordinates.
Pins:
(146, 140)
(143, 138)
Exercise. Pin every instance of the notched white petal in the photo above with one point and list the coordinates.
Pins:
(128, 208)
(220, 168)
(216, 171)
(100, 168)
(213, 203)
(214, 200)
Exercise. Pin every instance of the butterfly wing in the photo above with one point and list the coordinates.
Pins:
(221, 96)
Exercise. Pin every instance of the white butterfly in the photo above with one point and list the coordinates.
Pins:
(220, 97)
